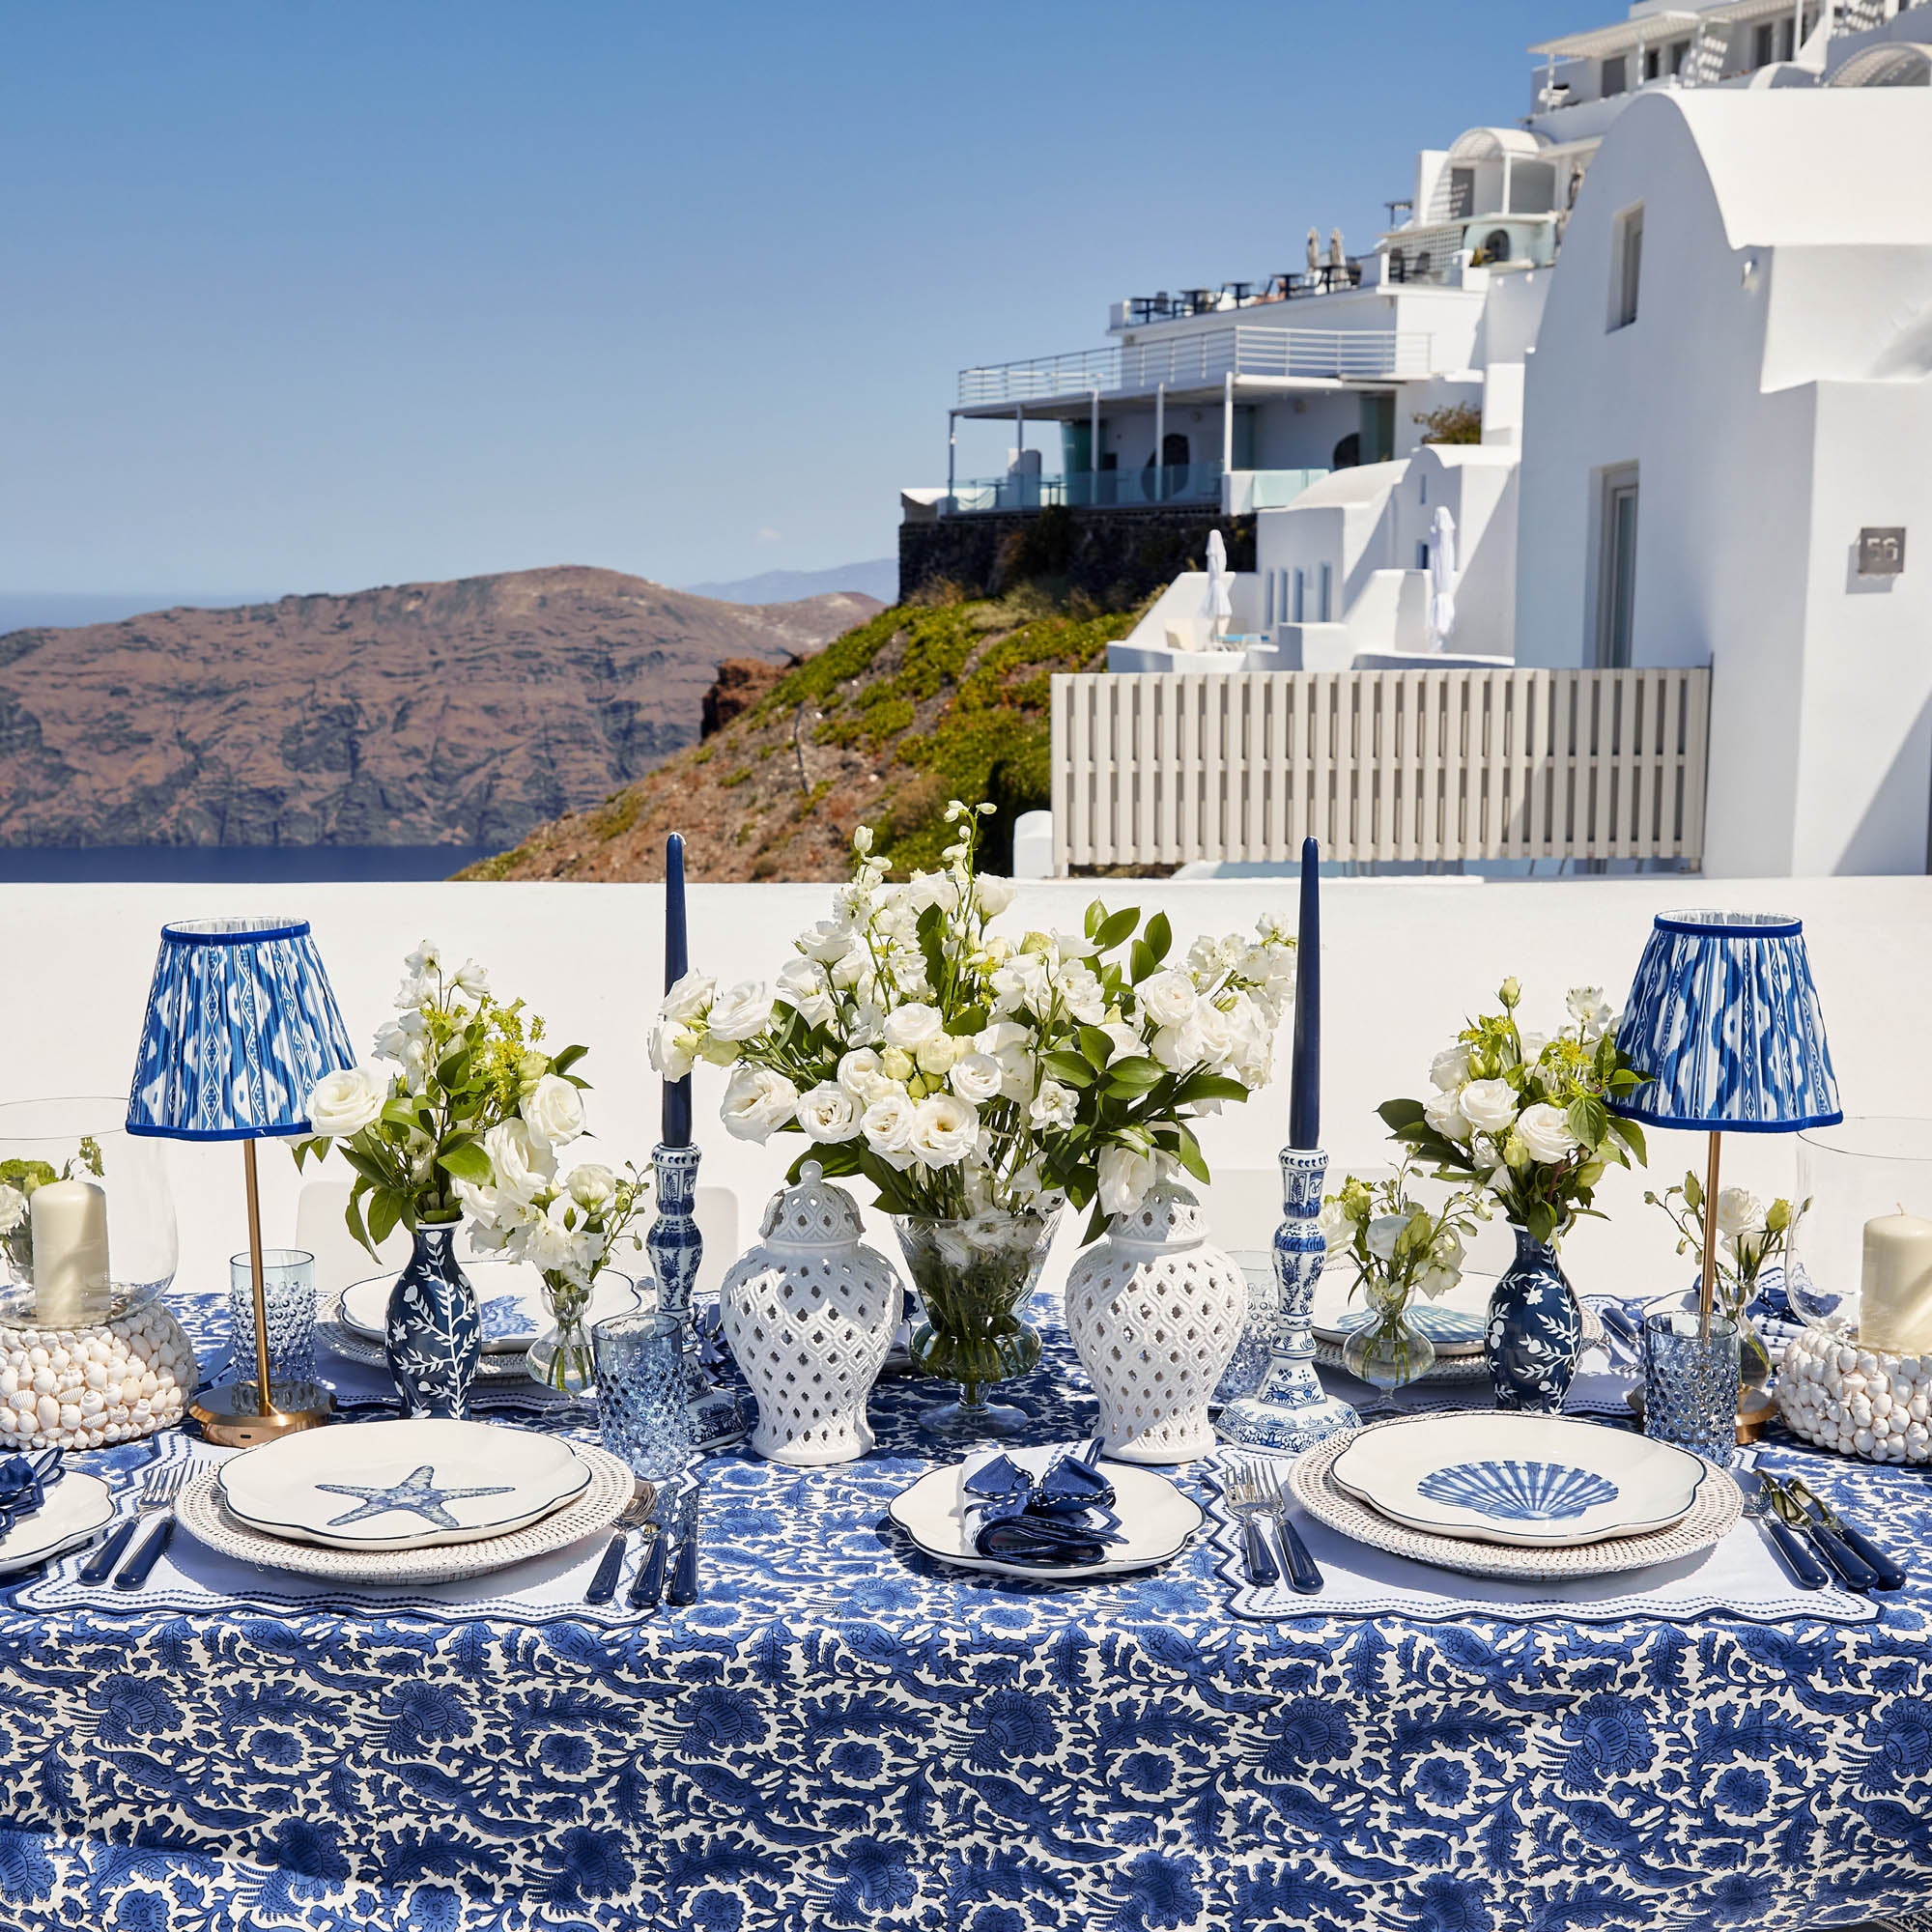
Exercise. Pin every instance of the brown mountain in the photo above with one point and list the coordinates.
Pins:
(418, 714)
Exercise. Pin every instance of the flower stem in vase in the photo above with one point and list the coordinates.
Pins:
(562, 1360)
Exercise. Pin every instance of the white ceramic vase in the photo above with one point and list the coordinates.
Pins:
(1155, 1311)
(810, 1314)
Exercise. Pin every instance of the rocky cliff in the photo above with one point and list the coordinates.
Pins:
(418, 714)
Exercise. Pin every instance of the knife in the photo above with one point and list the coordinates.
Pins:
(683, 1591)
(647, 1585)
(1805, 1569)
(135, 1571)
(1886, 1575)
(1849, 1569)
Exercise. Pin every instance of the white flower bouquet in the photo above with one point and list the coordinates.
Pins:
(1523, 1117)
(962, 1072)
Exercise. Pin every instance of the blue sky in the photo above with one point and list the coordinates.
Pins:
(313, 295)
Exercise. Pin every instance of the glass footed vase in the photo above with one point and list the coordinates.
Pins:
(562, 1360)
(1388, 1350)
(974, 1277)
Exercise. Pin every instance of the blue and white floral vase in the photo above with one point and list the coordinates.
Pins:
(1535, 1331)
(433, 1334)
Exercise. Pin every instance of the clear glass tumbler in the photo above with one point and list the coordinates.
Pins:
(641, 1393)
(288, 1294)
(1690, 1383)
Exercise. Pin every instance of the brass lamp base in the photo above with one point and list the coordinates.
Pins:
(1756, 1411)
(232, 1414)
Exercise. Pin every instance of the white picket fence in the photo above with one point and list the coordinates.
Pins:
(1468, 762)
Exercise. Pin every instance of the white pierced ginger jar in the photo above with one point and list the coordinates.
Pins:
(810, 1313)
(1154, 1312)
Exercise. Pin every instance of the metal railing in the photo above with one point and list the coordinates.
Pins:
(1465, 762)
(1202, 359)
(1326, 278)
(1087, 489)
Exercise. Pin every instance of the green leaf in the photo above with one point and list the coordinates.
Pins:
(1112, 932)
(1187, 1151)
(1136, 1076)
(964, 1025)
(1632, 1136)
(1096, 913)
(1540, 1221)
(1069, 1067)
(1159, 936)
(1097, 1225)
(1144, 960)
(465, 1161)
(932, 945)
(1589, 1119)
(352, 1214)
(1396, 1115)
(1096, 1045)
(1208, 1087)
(383, 1212)
(563, 1062)
(833, 1157)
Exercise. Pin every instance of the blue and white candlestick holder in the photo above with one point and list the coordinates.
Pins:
(1291, 1411)
(676, 1249)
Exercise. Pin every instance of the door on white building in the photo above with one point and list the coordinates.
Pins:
(1616, 567)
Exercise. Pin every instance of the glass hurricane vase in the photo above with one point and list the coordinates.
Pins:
(974, 1278)
(563, 1359)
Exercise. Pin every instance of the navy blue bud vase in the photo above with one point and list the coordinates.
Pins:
(1535, 1332)
(434, 1333)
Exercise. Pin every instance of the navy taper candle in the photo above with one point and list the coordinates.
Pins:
(677, 960)
(1304, 1092)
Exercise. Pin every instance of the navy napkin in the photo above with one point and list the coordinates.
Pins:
(1062, 1518)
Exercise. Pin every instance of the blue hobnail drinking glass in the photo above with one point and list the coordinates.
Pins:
(288, 1294)
(1690, 1383)
(641, 1393)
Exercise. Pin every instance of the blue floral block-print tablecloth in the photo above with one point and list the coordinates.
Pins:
(844, 1735)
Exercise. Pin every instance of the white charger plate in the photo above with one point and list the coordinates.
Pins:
(1157, 1520)
(509, 1297)
(1538, 1482)
(75, 1507)
(413, 1484)
(612, 1486)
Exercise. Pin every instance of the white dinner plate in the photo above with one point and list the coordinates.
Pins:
(1455, 1323)
(1540, 1481)
(509, 1296)
(406, 1484)
(75, 1507)
(1156, 1519)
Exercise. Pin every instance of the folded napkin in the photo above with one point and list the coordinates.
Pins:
(23, 1486)
(1063, 1517)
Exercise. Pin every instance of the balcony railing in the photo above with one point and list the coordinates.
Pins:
(1203, 361)
(1326, 278)
(1087, 489)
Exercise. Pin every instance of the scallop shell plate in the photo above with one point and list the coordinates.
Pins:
(1514, 1492)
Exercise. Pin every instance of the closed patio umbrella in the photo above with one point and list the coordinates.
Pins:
(1442, 576)
(1314, 251)
(1219, 606)
(1337, 259)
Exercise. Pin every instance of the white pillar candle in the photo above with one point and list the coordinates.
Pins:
(70, 1280)
(1896, 1287)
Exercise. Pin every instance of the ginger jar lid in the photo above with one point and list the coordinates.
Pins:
(813, 1212)
(1169, 1217)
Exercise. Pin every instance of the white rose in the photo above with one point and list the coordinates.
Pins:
(345, 1103)
(1168, 998)
(593, 1186)
(995, 895)
(554, 1108)
(803, 987)
(12, 1209)
(1127, 1178)
(913, 1024)
(522, 1163)
(1487, 1105)
(827, 1111)
(1337, 1227)
(742, 1012)
(1446, 1116)
(1384, 1230)
(978, 1077)
(689, 997)
(673, 1050)
(1054, 1106)
(859, 1074)
(757, 1102)
(1081, 992)
(1450, 1068)
(936, 1055)
(1740, 1211)
(1545, 1133)
(944, 1129)
(887, 1125)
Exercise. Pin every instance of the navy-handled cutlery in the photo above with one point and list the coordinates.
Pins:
(1304, 1574)
(683, 1590)
(1886, 1575)
(157, 1493)
(647, 1587)
(634, 1515)
(1806, 1570)
(1243, 1494)
(160, 1487)
(1847, 1568)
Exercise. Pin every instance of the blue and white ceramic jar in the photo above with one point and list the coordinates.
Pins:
(1535, 1331)
(434, 1335)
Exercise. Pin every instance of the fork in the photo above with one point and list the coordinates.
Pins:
(1243, 1494)
(159, 1489)
(1303, 1573)
(1805, 1567)
(157, 1493)
(634, 1515)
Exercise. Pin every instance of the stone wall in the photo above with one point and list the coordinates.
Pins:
(1115, 557)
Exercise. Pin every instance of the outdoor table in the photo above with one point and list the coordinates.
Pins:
(842, 1733)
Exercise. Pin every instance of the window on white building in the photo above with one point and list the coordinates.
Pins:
(1300, 596)
(1328, 605)
(1680, 55)
(1422, 557)
(1614, 69)
(1267, 621)
(1626, 266)
(1616, 566)
(1653, 63)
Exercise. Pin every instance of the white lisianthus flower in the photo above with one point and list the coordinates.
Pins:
(1080, 990)
(1384, 1230)
(1128, 1042)
(1590, 1010)
(897, 1066)
(913, 1024)
(978, 1077)
(414, 993)
(1168, 998)
(1054, 1106)
(1127, 1178)
(494, 1218)
(521, 1161)
(830, 939)
(554, 1108)
(689, 997)
(426, 959)
(995, 894)
(935, 1055)
(1336, 1227)
(827, 1111)
(472, 978)
(673, 1050)
(1545, 1133)
(12, 1209)
(742, 1012)
(392, 1040)
(345, 1103)
(758, 1100)
(1443, 1113)
(1435, 1281)
(887, 1125)
(593, 1187)
(803, 987)
(549, 1240)
(1450, 1068)
(1487, 1105)
(945, 1130)
(859, 1076)
(867, 1024)
(1740, 1211)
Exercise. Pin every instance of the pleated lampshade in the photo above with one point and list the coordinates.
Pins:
(241, 1025)
(1724, 1019)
